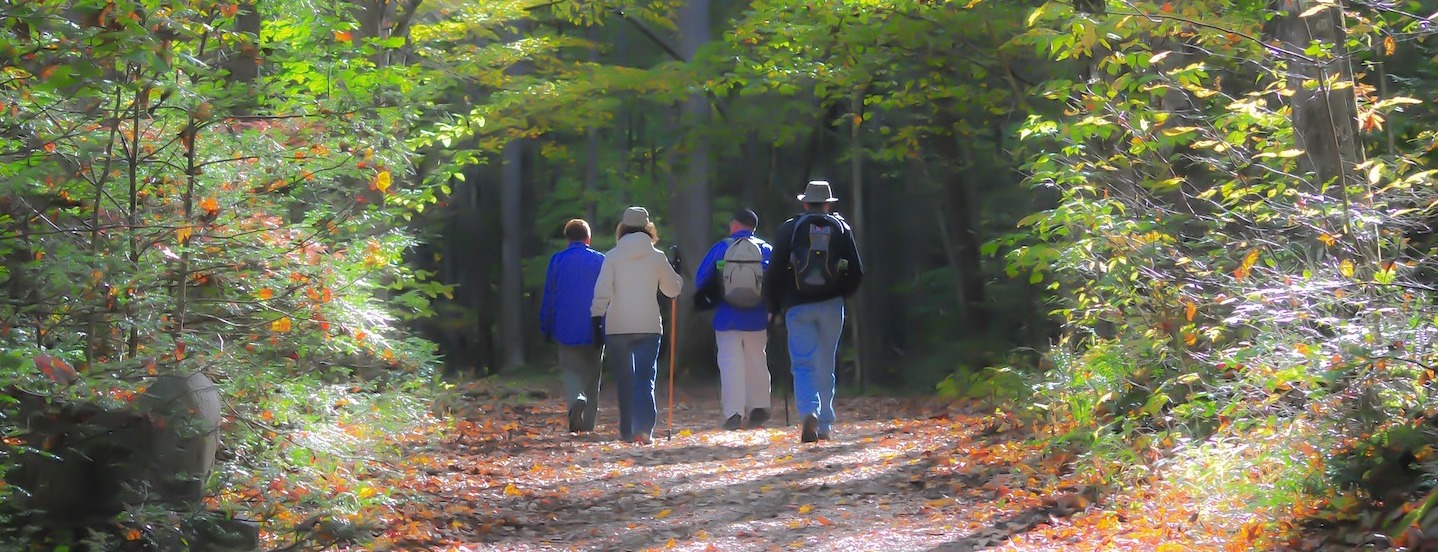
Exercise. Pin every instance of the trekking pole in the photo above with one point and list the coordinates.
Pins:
(673, 344)
(786, 392)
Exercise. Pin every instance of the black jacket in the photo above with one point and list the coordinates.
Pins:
(780, 291)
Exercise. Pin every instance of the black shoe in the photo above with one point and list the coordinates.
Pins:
(576, 415)
(733, 422)
(757, 417)
(810, 432)
(823, 436)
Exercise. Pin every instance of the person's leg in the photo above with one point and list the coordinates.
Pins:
(646, 357)
(756, 370)
(592, 370)
(803, 344)
(621, 364)
(731, 373)
(571, 372)
(829, 319)
(571, 360)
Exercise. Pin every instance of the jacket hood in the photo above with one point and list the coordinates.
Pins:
(635, 246)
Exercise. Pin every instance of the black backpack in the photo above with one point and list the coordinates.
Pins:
(818, 268)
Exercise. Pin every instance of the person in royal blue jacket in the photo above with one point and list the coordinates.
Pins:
(564, 317)
(730, 283)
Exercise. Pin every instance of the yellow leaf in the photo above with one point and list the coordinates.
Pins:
(1328, 239)
(265, 293)
(806, 509)
(282, 325)
(366, 492)
(184, 233)
(511, 490)
(382, 181)
(1346, 268)
(670, 544)
(1389, 45)
(1190, 339)
(685, 432)
(1189, 310)
(663, 514)
(1250, 260)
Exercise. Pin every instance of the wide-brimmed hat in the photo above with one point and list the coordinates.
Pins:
(635, 217)
(818, 191)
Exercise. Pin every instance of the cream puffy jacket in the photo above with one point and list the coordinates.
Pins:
(624, 294)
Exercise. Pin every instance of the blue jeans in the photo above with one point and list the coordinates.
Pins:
(633, 358)
(814, 330)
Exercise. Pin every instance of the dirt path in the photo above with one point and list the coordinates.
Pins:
(896, 476)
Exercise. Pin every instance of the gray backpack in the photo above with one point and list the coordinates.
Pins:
(743, 273)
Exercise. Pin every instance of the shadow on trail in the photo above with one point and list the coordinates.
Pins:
(737, 489)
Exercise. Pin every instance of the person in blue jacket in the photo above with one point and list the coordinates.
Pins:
(564, 317)
(731, 285)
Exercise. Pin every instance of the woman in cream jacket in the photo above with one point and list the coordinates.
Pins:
(624, 298)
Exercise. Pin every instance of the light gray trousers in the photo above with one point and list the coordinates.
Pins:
(579, 369)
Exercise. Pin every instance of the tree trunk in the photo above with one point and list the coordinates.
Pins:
(511, 193)
(243, 58)
(856, 168)
(693, 216)
(960, 197)
(1325, 119)
(591, 146)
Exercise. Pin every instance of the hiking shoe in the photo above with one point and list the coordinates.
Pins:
(810, 431)
(576, 416)
(757, 417)
(823, 436)
(644, 439)
(733, 423)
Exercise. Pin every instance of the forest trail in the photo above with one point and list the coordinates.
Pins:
(898, 474)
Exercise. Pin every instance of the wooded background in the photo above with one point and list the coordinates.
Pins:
(1157, 222)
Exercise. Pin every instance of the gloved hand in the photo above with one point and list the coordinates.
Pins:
(675, 260)
(597, 322)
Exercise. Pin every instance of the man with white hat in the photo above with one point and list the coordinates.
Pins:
(814, 266)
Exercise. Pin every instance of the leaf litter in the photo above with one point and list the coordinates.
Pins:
(507, 475)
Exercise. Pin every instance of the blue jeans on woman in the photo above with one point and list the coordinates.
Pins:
(633, 358)
(814, 330)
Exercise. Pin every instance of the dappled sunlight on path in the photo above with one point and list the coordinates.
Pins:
(920, 477)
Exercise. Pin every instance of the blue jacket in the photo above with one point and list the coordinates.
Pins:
(726, 317)
(568, 292)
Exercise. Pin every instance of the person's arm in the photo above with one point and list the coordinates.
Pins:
(547, 305)
(670, 282)
(855, 274)
(778, 270)
(705, 296)
(603, 289)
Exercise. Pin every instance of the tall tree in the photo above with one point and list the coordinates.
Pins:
(693, 204)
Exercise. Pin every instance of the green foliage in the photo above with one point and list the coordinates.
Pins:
(163, 216)
(1211, 283)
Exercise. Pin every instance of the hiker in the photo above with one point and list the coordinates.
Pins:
(626, 318)
(815, 266)
(730, 280)
(564, 318)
